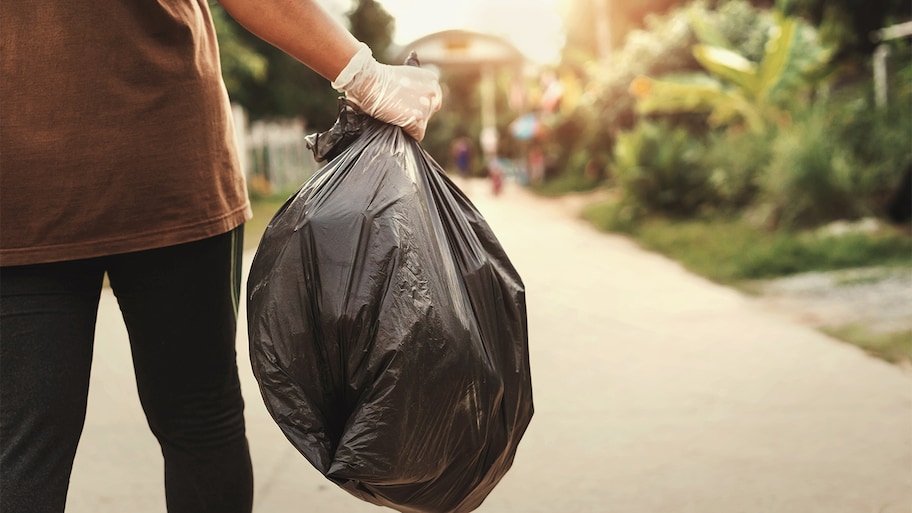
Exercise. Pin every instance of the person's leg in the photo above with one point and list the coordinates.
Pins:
(47, 327)
(180, 307)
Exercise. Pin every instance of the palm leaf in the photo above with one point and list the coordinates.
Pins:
(729, 65)
(777, 57)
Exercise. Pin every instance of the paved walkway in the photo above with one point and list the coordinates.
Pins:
(655, 391)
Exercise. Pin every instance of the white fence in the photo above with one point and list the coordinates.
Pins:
(273, 154)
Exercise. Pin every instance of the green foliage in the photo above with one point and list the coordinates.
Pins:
(878, 138)
(662, 48)
(590, 128)
(808, 156)
(893, 346)
(847, 25)
(738, 89)
(658, 167)
(735, 160)
(240, 62)
(373, 25)
(812, 178)
(841, 158)
(735, 25)
(612, 216)
(271, 84)
(790, 254)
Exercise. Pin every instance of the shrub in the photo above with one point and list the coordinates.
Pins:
(742, 27)
(735, 161)
(658, 167)
(811, 177)
(841, 158)
(879, 138)
(663, 47)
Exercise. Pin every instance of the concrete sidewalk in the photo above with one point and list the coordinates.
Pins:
(655, 391)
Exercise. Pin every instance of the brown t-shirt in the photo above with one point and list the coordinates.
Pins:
(115, 130)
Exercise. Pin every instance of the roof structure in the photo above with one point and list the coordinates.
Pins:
(463, 48)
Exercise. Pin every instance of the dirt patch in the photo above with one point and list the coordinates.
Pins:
(878, 298)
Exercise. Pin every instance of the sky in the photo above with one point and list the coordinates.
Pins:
(533, 26)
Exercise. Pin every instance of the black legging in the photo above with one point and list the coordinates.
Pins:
(180, 307)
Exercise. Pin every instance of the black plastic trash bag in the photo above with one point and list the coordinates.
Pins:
(388, 327)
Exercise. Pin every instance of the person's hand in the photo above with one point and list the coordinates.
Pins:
(404, 95)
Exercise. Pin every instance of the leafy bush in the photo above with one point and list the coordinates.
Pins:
(811, 177)
(735, 90)
(841, 158)
(738, 25)
(735, 161)
(658, 167)
(893, 346)
(789, 254)
(879, 138)
(663, 47)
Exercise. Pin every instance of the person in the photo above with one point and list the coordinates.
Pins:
(118, 158)
(536, 164)
(462, 156)
(496, 173)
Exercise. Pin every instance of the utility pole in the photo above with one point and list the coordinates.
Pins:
(881, 53)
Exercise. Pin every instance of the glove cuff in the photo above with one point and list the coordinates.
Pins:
(358, 63)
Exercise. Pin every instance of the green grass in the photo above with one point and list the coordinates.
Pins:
(731, 251)
(894, 346)
(563, 184)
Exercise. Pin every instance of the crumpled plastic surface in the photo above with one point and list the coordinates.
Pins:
(387, 327)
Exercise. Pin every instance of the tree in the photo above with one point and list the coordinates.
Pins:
(849, 24)
(275, 85)
(240, 62)
(373, 25)
(270, 84)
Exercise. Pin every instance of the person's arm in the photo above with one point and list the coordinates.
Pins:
(401, 95)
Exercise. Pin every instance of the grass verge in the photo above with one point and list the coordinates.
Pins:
(730, 251)
(893, 346)
(264, 208)
(734, 253)
(564, 184)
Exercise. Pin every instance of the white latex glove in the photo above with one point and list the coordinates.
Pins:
(403, 95)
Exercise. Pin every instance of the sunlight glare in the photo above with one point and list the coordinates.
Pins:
(533, 26)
